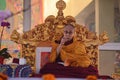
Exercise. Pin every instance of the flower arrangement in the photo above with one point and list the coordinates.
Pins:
(48, 77)
(3, 76)
(91, 77)
(3, 52)
(3, 25)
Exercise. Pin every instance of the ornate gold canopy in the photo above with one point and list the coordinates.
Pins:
(52, 29)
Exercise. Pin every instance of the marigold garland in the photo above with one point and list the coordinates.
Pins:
(91, 77)
(48, 77)
(3, 76)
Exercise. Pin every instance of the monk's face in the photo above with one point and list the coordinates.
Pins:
(69, 32)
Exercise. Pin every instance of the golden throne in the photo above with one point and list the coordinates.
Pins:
(52, 29)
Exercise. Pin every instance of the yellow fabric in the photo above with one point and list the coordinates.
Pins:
(75, 52)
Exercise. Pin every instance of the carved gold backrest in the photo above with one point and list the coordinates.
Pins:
(52, 29)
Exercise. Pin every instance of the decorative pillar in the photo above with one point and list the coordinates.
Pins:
(27, 15)
(41, 11)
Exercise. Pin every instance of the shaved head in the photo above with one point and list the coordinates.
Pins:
(69, 31)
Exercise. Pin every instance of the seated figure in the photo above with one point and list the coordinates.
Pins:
(68, 57)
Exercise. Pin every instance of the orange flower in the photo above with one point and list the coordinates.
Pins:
(48, 77)
(3, 76)
(91, 77)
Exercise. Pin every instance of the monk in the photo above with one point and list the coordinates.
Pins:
(68, 57)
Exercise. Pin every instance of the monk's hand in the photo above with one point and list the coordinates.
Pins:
(63, 40)
(67, 62)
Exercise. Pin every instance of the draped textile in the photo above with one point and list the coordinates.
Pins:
(74, 52)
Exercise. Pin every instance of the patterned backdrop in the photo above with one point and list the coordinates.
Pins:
(15, 7)
(16, 22)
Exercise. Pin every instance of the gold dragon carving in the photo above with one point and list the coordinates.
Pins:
(52, 29)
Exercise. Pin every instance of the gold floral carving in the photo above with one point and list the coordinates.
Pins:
(52, 29)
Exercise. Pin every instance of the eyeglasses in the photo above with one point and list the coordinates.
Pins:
(68, 32)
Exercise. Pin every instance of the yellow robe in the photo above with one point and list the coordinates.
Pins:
(75, 52)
